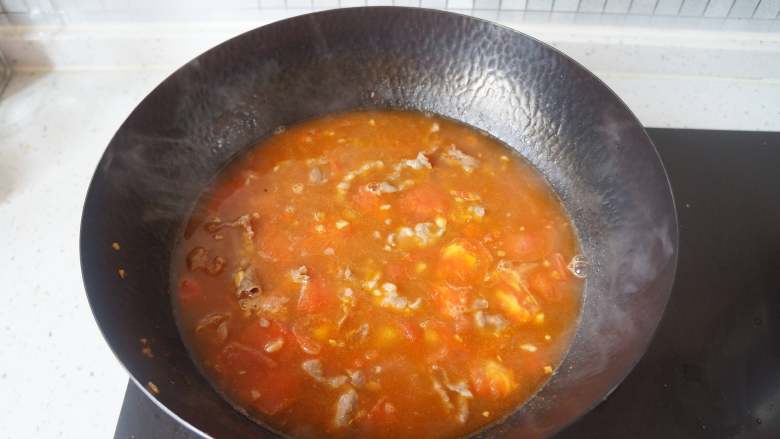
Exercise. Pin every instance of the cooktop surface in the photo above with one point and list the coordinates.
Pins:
(713, 369)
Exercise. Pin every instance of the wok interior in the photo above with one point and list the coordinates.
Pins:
(563, 120)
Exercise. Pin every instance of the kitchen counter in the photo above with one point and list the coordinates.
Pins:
(57, 376)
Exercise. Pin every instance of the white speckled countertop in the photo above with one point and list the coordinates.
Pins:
(57, 375)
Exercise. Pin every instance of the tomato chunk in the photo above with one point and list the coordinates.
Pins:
(257, 378)
(382, 413)
(528, 245)
(366, 201)
(512, 306)
(423, 202)
(463, 262)
(492, 379)
(394, 271)
(409, 331)
(277, 391)
(451, 302)
(315, 297)
(441, 344)
(387, 336)
(435, 332)
(512, 292)
(541, 284)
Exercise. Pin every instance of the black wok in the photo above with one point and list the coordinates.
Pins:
(555, 113)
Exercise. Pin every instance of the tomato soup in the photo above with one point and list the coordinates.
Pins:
(378, 274)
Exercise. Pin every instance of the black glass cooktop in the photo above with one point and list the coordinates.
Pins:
(713, 369)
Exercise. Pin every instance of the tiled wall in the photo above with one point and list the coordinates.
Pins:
(755, 15)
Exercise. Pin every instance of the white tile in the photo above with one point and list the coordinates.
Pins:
(693, 8)
(510, 17)
(617, 6)
(744, 8)
(565, 5)
(460, 4)
(408, 3)
(273, 4)
(718, 8)
(486, 14)
(768, 9)
(513, 5)
(588, 19)
(536, 17)
(352, 3)
(433, 4)
(668, 7)
(379, 2)
(539, 5)
(592, 5)
(222, 5)
(325, 4)
(643, 7)
(299, 4)
(562, 17)
(487, 4)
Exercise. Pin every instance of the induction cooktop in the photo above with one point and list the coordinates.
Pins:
(713, 369)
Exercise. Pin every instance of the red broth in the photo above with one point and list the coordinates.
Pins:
(378, 274)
